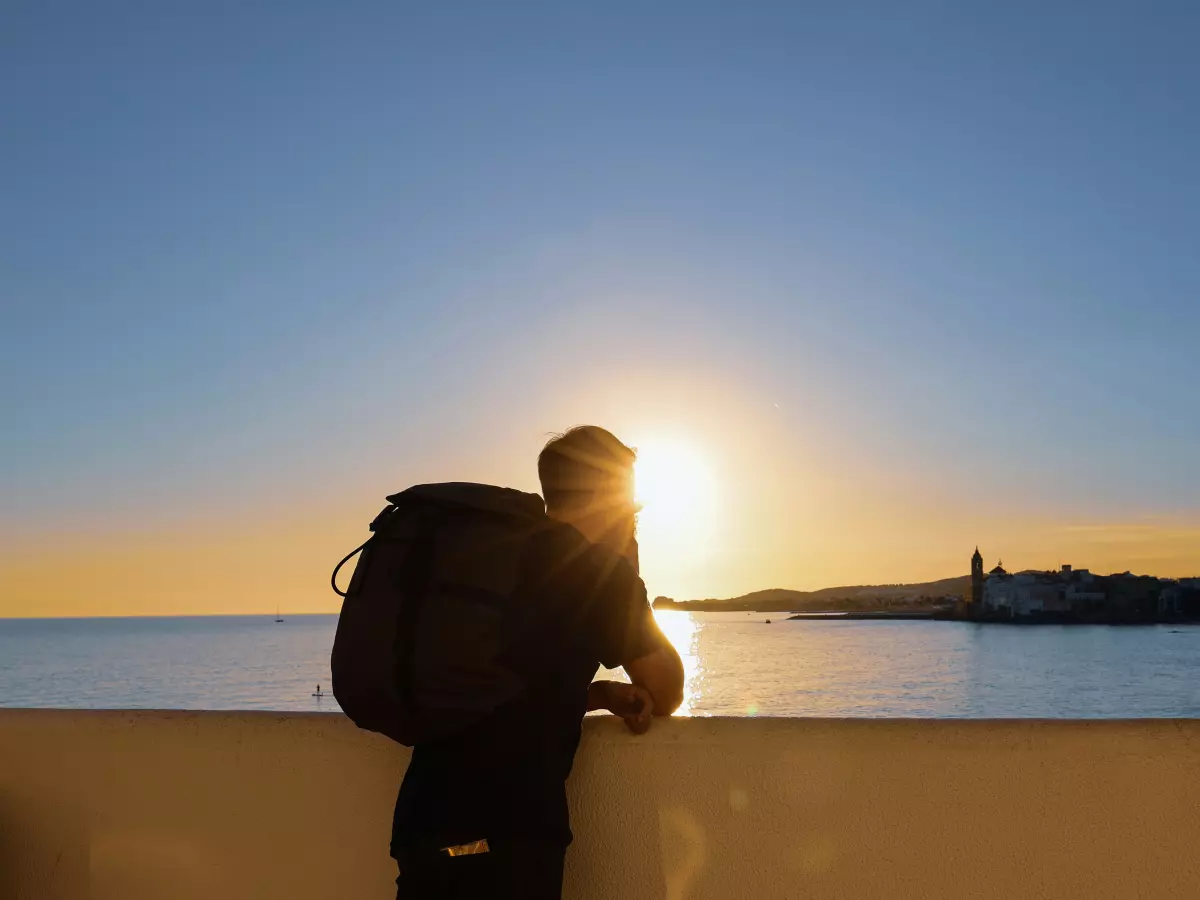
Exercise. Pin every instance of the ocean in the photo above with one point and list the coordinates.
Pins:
(737, 665)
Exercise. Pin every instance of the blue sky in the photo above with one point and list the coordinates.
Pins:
(256, 253)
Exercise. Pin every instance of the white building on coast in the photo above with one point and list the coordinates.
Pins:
(1032, 593)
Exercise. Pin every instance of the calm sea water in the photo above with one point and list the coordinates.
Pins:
(736, 665)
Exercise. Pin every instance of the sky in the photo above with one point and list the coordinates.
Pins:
(904, 279)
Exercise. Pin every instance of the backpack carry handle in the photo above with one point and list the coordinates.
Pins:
(374, 528)
(345, 559)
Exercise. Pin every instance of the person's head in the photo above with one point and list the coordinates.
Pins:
(587, 481)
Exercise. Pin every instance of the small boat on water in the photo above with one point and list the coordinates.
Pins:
(279, 618)
(318, 694)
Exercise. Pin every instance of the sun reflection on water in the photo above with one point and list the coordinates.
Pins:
(682, 630)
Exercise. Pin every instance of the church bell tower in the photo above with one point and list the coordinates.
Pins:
(977, 580)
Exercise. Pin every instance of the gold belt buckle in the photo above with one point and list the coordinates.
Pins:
(470, 849)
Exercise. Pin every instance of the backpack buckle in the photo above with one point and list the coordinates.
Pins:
(382, 517)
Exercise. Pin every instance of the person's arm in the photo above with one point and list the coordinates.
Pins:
(628, 636)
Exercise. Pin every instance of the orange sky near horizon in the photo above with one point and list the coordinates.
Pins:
(766, 533)
(792, 507)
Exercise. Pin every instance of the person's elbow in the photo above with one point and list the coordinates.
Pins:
(660, 673)
(669, 703)
(670, 695)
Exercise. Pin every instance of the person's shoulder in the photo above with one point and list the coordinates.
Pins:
(559, 537)
(570, 553)
(607, 559)
(608, 572)
(557, 545)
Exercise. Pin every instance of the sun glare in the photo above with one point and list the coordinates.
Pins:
(678, 492)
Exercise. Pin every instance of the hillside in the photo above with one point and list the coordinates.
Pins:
(879, 596)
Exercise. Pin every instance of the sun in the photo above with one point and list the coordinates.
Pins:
(677, 489)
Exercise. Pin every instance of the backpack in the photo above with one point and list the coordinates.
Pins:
(427, 615)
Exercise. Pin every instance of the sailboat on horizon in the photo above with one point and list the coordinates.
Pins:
(278, 617)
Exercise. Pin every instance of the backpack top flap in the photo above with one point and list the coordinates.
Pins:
(482, 535)
(484, 497)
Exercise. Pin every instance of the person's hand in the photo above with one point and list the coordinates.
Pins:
(632, 703)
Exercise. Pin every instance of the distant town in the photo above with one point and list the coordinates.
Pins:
(1065, 596)
(1075, 595)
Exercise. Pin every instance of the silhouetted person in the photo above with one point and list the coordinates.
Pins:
(484, 814)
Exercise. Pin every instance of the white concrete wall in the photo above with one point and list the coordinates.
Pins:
(247, 806)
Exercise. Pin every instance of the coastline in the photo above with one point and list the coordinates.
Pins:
(944, 616)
